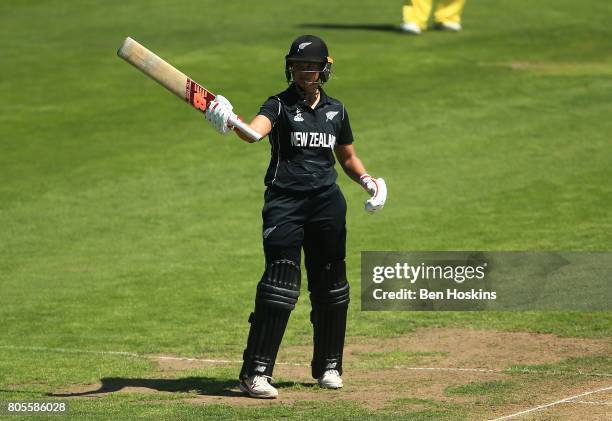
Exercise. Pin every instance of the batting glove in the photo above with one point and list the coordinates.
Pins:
(218, 112)
(368, 183)
(377, 188)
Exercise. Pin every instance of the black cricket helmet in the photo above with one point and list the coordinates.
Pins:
(311, 49)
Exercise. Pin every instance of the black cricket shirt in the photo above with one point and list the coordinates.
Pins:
(303, 140)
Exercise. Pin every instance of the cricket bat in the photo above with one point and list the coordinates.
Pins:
(175, 81)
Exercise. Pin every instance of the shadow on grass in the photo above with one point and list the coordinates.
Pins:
(353, 26)
(200, 385)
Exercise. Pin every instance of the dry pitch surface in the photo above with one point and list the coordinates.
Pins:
(481, 371)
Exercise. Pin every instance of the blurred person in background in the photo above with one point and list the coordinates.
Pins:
(446, 16)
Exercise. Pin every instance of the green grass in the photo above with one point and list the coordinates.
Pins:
(392, 358)
(593, 365)
(493, 387)
(125, 408)
(128, 224)
(492, 393)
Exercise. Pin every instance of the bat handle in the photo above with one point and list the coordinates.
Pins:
(244, 128)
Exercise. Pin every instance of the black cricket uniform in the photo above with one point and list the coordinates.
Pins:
(301, 176)
(304, 207)
(303, 140)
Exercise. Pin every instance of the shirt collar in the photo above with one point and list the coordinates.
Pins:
(324, 98)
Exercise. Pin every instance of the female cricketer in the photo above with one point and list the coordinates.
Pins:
(304, 208)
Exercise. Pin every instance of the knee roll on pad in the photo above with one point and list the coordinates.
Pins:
(331, 287)
(335, 297)
(280, 285)
(277, 294)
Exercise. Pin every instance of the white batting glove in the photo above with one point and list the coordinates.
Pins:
(377, 188)
(218, 112)
(368, 183)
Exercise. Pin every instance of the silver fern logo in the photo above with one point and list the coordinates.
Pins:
(268, 231)
(330, 115)
(303, 45)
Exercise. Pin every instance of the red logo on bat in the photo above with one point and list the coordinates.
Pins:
(199, 101)
(197, 96)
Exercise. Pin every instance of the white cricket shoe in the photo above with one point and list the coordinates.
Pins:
(330, 380)
(448, 26)
(410, 28)
(258, 387)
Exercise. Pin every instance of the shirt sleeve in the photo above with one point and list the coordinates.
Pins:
(271, 109)
(346, 133)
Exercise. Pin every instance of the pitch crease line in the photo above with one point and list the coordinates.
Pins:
(70, 351)
(591, 402)
(213, 361)
(481, 370)
(548, 405)
(163, 357)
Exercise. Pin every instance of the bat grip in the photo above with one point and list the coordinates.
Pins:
(244, 128)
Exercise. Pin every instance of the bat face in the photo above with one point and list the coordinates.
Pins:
(197, 95)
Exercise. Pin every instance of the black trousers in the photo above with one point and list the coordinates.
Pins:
(315, 221)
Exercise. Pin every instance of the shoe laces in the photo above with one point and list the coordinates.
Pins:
(261, 381)
(333, 373)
